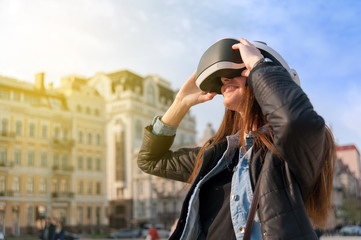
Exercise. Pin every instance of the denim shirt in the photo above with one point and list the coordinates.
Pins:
(241, 188)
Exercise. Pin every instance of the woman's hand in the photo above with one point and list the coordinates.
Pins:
(249, 53)
(188, 96)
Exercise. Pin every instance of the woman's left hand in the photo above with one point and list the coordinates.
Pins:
(249, 53)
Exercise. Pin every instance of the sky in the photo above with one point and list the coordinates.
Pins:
(320, 39)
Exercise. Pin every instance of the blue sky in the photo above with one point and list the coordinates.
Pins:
(320, 39)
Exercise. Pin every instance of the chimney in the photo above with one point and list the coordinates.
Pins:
(39, 81)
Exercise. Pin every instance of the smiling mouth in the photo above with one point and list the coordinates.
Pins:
(229, 89)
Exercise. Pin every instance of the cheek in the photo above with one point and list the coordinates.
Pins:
(233, 101)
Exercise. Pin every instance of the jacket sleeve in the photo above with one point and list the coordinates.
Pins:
(155, 157)
(299, 132)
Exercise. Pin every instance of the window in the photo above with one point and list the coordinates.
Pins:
(5, 126)
(43, 159)
(42, 185)
(89, 215)
(30, 216)
(90, 188)
(81, 187)
(96, 112)
(138, 130)
(31, 129)
(31, 157)
(80, 137)
(16, 184)
(63, 185)
(80, 162)
(18, 127)
(89, 163)
(98, 188)
(98, 216)
(78, 108)
(80, 215)
(55, 186)
(150, 94)
(89, 138)
(56, 160)
(64, 161)
(16, 96)
(17, 156)
(97, 164)
(65, 134)
(2, 184)
(30, 185)
(2, 156)
(44, 131)
(56, 132)
(4, 94)
(87, 110)
(97, 139)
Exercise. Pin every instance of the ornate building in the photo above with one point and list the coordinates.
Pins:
(131, 103)
(52, 155)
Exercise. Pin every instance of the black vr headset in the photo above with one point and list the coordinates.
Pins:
(220, 60)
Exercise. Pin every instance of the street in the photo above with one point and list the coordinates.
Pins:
(322, 238)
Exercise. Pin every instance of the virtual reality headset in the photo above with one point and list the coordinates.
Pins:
(220, 60)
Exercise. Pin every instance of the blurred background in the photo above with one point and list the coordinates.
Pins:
(79, 80)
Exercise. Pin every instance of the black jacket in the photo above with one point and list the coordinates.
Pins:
(299, 137)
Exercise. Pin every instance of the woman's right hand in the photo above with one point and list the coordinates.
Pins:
(188, 96)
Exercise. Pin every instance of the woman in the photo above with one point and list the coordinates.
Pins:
(269, 129)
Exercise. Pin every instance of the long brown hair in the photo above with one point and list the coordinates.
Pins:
(320, 200)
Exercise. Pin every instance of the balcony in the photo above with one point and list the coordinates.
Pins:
(7, 136)
(55, 142)
(63, 169)
(5, 165)
(7, 193)
(62, 195)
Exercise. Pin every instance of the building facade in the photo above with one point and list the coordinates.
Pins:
(131, 103)
(350, 156)
(52, 155)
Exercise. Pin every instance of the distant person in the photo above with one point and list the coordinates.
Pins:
(59, 231)
(272, 155)
(152, 234)
(48, 231)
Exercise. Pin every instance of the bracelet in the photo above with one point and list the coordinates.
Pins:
(262, 60)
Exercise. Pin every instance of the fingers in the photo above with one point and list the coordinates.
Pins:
(245, 73)
(245, 42)
(242, 41)
(206, 96)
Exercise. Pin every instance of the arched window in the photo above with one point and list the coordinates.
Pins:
(150, 94)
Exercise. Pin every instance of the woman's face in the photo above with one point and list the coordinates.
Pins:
(232, 91)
